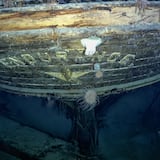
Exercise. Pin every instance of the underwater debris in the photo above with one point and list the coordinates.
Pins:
(90, 44)
(89, 100)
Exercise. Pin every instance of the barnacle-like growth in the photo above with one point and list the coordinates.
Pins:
(90, 44)
(89, 100)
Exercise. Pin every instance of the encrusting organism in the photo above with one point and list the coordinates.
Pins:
(89, 100)
(90, 44)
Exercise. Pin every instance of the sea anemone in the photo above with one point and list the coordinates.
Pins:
(89, 100)
(90, 44)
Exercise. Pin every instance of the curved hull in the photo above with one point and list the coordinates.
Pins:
(42, 54)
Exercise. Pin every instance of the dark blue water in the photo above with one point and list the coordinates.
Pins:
(126, 126)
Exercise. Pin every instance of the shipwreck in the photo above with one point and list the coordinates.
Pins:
(64, 50)
(76, 53)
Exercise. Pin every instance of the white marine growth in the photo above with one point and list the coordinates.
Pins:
(90, 44)
(89, 100)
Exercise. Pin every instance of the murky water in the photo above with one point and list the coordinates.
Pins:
(127, 126)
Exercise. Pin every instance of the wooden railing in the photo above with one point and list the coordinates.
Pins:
(21, 3)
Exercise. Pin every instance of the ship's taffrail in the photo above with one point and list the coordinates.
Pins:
(41, 50)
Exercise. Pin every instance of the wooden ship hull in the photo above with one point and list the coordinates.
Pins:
(42, 54)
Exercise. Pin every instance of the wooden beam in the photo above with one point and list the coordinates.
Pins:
(94, 15)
